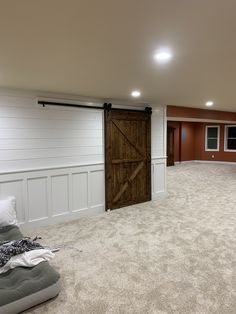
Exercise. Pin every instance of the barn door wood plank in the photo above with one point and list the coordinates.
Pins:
(123, 161)
(126, 184)
(127, 138)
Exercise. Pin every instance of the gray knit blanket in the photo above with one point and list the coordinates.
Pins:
(9, 249)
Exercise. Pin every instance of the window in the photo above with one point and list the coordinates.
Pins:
(212, 138)
(230, 138)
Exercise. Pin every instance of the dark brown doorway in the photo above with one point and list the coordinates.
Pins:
(170, 146)
(128, 157)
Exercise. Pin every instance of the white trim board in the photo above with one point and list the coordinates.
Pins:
(216, 162)
(207, 138)
(206, 162)
(226, 138)
(179, 119)
(49, 168)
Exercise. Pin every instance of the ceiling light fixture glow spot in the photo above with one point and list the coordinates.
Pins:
(209, 103)
(163, 56)
(135, 93)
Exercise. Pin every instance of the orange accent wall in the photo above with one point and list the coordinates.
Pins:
(185, 150)
(176, 126)
(188, 141)
(201, 154)
(192, 146)
(190, 136)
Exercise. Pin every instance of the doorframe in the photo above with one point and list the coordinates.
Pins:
(169, 129)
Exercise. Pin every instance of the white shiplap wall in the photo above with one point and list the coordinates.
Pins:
(32, 136)
(52, 159)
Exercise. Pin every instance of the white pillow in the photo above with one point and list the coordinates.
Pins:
(8, 212)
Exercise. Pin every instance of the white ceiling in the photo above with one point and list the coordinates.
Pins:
(104, 49)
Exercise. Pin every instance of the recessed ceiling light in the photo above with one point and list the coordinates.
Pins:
(163, 56)
(135, 93)
(209, 103)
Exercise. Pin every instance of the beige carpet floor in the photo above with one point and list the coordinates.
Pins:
(176, 255)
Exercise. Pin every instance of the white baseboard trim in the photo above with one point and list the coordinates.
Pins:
(63, 218)
(159, 195)
(215, 162)
(184, 162)
(206, 162)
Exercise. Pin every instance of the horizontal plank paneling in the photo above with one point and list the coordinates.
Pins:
(158, 132)
(49, 133)
(9, 123)
(33, 136)
(52, 143)
(7, 166)
(48, 152)
(49, 113)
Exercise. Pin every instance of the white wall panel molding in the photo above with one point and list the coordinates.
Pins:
(80, 191)
(158, 178)
(60, 194)
(37, 198)
(97, 183)
(55, 195)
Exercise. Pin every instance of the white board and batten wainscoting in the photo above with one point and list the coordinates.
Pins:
(52, 159)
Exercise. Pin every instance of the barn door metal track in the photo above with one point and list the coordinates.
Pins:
(106, 106)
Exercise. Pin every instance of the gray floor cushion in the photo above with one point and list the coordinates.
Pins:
(9, 233)
(22, 287)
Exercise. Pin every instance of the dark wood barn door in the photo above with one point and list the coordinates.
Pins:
(128, 157)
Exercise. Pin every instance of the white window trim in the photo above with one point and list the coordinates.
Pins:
(218, 138)
(226, 138)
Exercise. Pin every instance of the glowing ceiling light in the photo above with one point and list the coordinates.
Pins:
(135, 93)
(163, 56)
(209, 103)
